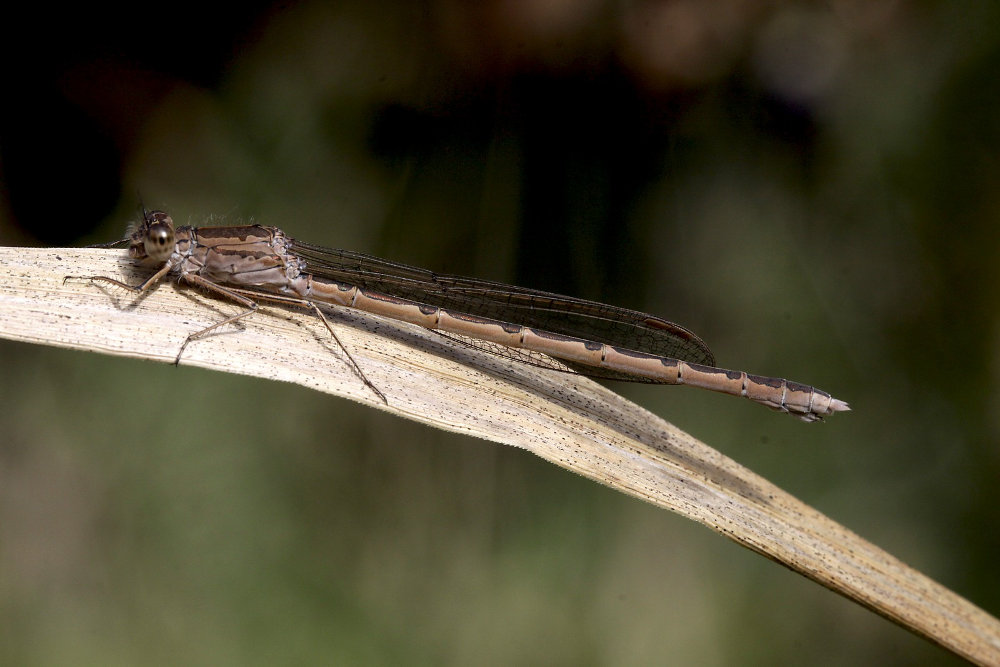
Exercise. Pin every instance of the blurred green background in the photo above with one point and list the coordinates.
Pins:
(812, 187)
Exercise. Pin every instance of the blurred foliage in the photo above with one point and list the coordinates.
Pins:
(812, 187)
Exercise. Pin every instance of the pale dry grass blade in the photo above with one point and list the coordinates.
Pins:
(566, 419)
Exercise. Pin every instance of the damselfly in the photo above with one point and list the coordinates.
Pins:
(251, 263)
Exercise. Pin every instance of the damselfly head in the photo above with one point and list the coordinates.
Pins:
(153, 238)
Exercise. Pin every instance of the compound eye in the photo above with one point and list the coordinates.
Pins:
(159, 242)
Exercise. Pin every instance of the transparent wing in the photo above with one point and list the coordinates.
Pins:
(565, 315)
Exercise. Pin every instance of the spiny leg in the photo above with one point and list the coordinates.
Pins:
(305, 303)
(239, 296)
(209, 286)
(137, 289)
(194, 279)
(354, 364)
